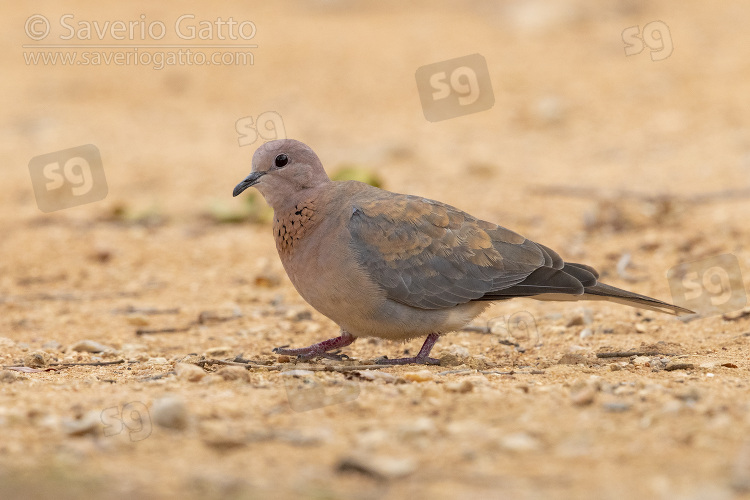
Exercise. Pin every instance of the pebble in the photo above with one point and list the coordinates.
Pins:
(90, 346)
(379, 467)
(138, 320)
(189, 372)
(657, 365)
(7, 377)
(616, 407)
(450, 360)
(38, 359)
(582, 395)
(576, 320)
(87, 424)
(572, 359)
(233, 373)
(296, 373)
(52, 345)
(378, 375)
(295, 314)
(284, 359)
(586, 333)
(458, 351)
(170, 411)
(678, 365)
(462, 387)
(519, 441)
(420, 376)
(641, 361)
(218, 352)
(157, 361)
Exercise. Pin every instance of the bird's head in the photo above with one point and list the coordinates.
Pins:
(281, 169)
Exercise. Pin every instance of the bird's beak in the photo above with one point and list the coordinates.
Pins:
(250, 180)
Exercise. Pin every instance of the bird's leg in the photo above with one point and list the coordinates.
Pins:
(321, 348)
(422, 358)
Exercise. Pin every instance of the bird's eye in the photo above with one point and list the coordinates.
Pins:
(281, 160)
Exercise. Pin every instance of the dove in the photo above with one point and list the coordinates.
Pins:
(396, 266)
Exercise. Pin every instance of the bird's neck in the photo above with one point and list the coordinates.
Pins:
(293, 221)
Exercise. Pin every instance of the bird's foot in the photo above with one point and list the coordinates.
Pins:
(320, 349)
(422, 358)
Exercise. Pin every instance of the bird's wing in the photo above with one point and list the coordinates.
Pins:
(429, 255)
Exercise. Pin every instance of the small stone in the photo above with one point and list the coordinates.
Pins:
(170, 411)
(519, 442)
(657, 365)
(582, 395)
(157, 361)
(52, 345)
(87, 424)
(267, 279)
(378, 375)
(90, 346)
(450, 360)
(218, 352)
(38, 359)
(7, 377)
(233, 373)
(298, 314)
(420, 376)
(191, 373)
(379, 467)
(572, 359)
(138, 320)
(458, 350)
(677, 365)
(615, 367)
(462, 387)
(283, 359)
(586, 333)
(708, 364)
(616, 407)
(576, 320)
(640, 328)
(729, 365)
(641, 361)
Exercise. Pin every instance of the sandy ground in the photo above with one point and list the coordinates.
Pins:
(643, 137)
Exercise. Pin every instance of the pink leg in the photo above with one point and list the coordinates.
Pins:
(321, 348)
(422, 358)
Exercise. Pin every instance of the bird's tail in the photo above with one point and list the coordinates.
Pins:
(600, 291)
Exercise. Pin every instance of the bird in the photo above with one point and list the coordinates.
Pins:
(397, 266)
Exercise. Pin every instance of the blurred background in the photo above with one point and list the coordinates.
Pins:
(615, 132)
